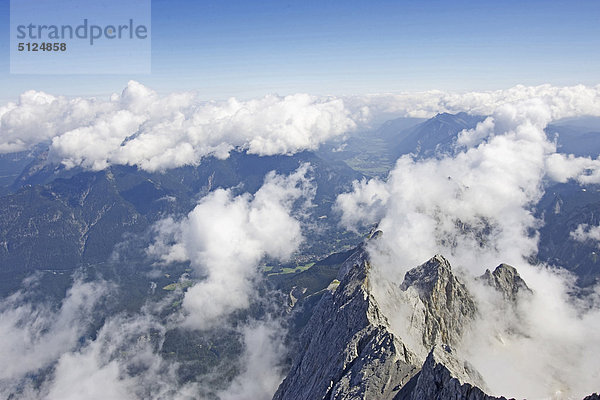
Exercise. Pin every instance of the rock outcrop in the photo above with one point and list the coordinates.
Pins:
(348, 349)
(593, 396)
(506, 280)
(445, 307)
(444, 377)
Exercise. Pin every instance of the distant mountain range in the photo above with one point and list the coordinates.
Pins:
(375, 152)
(57, 219)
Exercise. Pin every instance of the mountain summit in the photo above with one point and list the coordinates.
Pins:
(348, 349)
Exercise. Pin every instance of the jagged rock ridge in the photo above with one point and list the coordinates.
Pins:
(444, 377)
(348, 350)
(444, 305)
(506, 280)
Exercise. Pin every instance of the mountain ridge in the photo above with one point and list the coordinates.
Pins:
(349, 351)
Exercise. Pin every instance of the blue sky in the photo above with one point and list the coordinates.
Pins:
(247, 49)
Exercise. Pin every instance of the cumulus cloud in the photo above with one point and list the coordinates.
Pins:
(225, 237)
(262, 362)
(39, 117)
(585, 232)
(562, 167)
(366, 203)
(473, 137)
(476, 209)
(561, 101)
(139, 127)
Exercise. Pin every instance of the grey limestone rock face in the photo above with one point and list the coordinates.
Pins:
(506, 280)
(444, 377)
(445, 305)
(348, 349)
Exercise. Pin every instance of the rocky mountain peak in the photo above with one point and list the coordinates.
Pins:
(348, 351)
(445, 376)
(444, 306)
(427, 275)
(506, 280)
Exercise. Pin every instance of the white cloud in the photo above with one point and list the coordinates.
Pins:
(88, 146)
(562, 167)
(225, 237)
(34, 335)
(473, 207)
(476, 209)
(585, 232)
(120, 363)
(139, 127)
(38, 117)
(366, 203)
(123, 363)
(262, 361)
(267, 126)
(544, 348)
(561, 101)
(81, 375)
(473, 137)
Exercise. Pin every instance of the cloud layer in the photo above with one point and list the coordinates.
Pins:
(561, 101)
(34, 335)
(225, 238)
(476, 208)
(139, 127)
